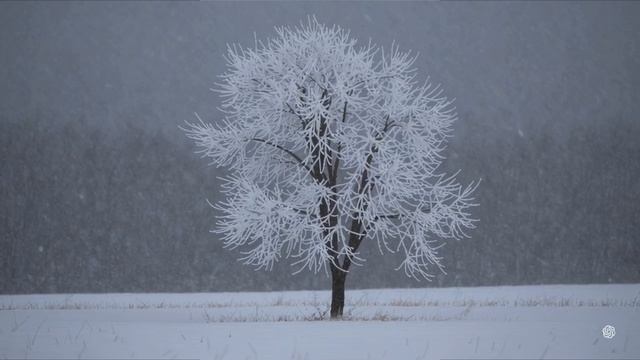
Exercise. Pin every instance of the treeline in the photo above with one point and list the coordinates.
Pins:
(87, 210)
(561, 208)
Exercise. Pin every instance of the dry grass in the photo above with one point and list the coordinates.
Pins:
(313, 306)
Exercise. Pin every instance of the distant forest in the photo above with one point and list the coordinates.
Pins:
(84, 210)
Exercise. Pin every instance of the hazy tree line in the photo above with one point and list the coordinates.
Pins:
(84, 210)
(555, 209)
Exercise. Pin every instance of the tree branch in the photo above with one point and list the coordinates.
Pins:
(291, 153)
(312, 79)
(302, 121)
(356, 233)
(394, 216)
(336, 161)
(373, 78)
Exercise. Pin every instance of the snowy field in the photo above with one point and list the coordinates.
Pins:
(519, 322)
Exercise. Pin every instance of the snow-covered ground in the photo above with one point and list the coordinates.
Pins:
(519, 322)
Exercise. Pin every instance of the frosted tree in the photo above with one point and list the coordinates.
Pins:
(330, 144)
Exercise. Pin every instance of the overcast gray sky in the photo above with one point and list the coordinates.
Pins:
(511, 65)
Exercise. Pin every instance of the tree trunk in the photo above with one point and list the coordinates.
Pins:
(337, 293)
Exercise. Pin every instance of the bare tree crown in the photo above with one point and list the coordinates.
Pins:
(330, 143)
